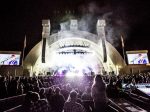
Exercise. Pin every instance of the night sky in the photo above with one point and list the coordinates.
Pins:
(23, 17)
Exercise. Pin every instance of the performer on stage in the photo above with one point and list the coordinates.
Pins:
(141, 59)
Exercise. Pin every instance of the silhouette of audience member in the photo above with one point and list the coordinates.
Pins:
(20, 89)
(68, 87)
(65, 92)
(99, 94)
(88, 100)
(111, 89)
(39, 105)
(3, 87)
(71, 105)
(12, 87)
(27, 104)
(49, 95)
(87, 94)
(42, 93)
(58, 101)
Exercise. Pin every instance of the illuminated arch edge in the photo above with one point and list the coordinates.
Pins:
(114, 63)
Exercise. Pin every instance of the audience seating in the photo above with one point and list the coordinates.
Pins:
(137, 100)
(10, 102)
(15, 109)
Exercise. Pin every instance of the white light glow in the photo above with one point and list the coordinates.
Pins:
(71, 74)
(78, 64)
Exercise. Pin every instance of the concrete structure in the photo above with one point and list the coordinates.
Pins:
(74, 43)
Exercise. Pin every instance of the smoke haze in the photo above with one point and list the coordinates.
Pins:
(115, 24)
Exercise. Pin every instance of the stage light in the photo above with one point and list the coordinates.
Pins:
(70, 74)
(74, 75)
(77, 65)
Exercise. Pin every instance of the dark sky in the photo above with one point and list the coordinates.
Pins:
(23, 17)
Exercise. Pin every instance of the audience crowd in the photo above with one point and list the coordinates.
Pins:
(68, 94)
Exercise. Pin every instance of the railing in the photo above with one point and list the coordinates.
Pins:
(138, 100)
(11, 102)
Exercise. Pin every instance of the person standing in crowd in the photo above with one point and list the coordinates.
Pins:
(27, 104)
(42, 93)
(87, 94)
(98, 92)
(88, 100)
(12, 86)
(65, 92)
(71, 105)
(3, 88)
(58, 101)
(49, 96)
(39, 105)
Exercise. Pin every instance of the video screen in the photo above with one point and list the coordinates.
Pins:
(9, 59)
(138, 58)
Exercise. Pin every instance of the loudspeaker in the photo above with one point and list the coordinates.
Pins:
(104, 51)
(43, 50)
